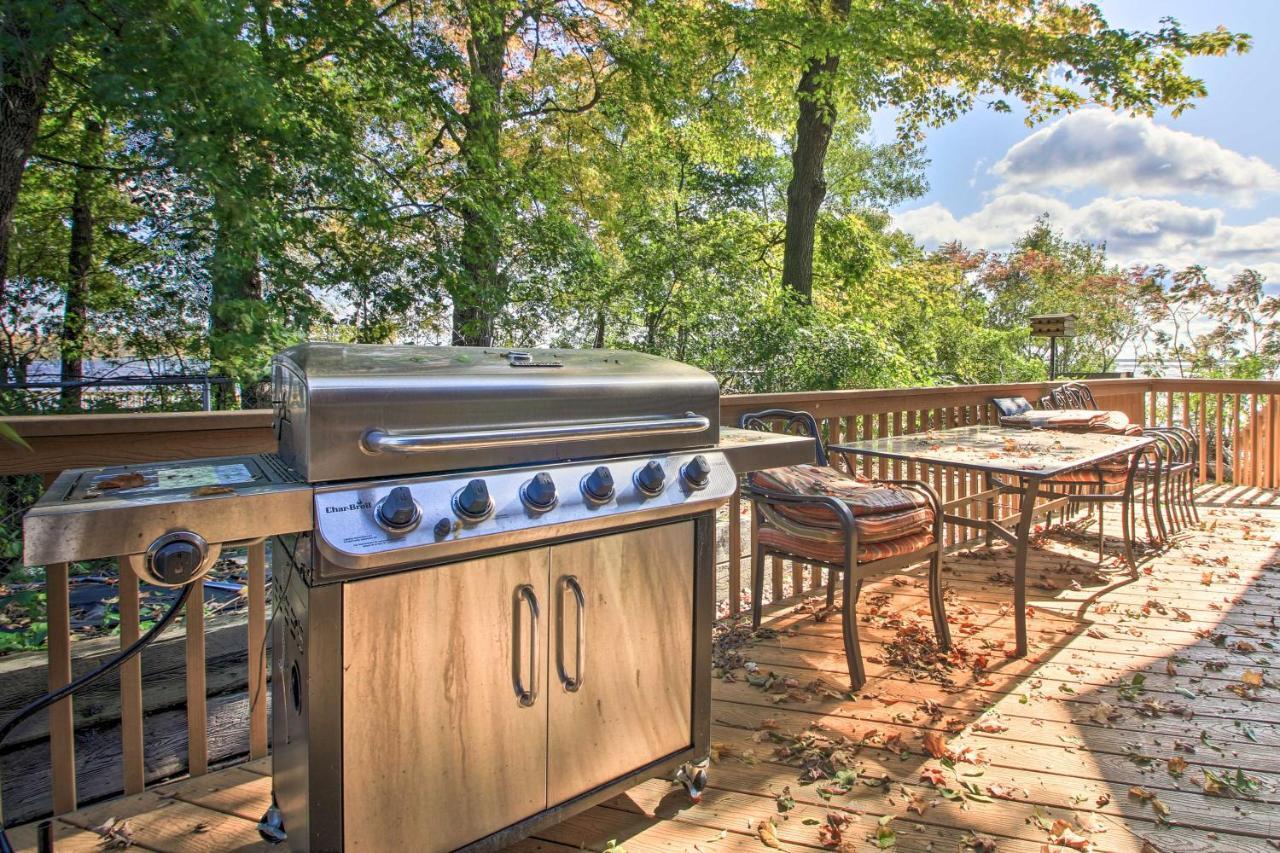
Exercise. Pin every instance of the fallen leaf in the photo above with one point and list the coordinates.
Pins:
(1063, 834)
(128, 480)
(831, 833)
(885, 836)
(933, 775)
(980, 843)
(207, 491)
(768, 833)
(1177, 765)
(935, 744)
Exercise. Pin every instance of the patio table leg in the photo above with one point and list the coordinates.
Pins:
(1128, 524)
(1029, 491)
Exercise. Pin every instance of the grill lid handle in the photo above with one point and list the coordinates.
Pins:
(381, 441)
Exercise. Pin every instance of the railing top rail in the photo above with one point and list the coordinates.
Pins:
(893, 399)
(39, 426)
(67, 441)
(1216, 386)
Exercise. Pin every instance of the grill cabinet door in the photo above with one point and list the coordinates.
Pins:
(439, 751)
(635, 701)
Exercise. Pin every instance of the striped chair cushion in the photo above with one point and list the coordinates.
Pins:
(863, 497)
(1075, 420)
(773, 539)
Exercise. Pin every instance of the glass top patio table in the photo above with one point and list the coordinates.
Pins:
(1031, 453)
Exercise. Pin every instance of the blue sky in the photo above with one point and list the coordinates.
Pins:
(1201, 188)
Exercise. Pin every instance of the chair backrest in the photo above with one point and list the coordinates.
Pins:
(1010, 406)
(1073, 395)
(787, 421)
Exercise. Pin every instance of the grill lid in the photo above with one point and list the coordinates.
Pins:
(358, 411)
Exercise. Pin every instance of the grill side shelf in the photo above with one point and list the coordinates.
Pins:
(92, 513)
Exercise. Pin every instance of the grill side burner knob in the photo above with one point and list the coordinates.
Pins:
(177, 562)
(598, 485)
(649, 479)
(696, 472)
(177, 559)
(540, 492)
(473, 501)
(398, 512)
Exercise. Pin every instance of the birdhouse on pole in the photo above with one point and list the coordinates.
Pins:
(1053, 326)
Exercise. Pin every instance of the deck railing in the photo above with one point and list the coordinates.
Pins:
(1235, 420)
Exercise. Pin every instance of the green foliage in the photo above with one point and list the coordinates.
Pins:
(552, 173)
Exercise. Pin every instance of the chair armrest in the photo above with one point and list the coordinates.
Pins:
(921, 486)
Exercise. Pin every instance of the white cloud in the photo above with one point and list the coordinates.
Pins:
(1121, 154)
(1135, 230)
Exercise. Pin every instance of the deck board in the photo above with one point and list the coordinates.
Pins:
(1046, 744)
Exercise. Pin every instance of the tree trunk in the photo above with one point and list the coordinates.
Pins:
(598, 343)
(25, 75)
(75, 312)
(479, 292)
(808, 186)
(236, 303)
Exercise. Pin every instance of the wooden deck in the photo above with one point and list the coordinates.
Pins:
(1144, 719)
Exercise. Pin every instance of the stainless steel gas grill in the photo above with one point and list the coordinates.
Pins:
(494, 579)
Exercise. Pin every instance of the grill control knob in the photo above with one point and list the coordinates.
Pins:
(473, 501)
(540, 492)
(398, 512)
(598, 485)
(696, 472)
(649, 479)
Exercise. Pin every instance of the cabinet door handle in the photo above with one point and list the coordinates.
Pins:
(573, 682)
(526, 696)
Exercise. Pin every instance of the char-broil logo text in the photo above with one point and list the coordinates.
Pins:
(349, 507)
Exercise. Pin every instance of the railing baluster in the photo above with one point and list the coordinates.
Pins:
(755, 545)
(1270, 479)
(197, 712)
(1218, 442)
(258, 641)
(1255, 436)
(1204, 443)
(735, 553)
(776, 565)
(62, 732)
(131, 678)
(866, 436)
(897, 430)
(1237, 446)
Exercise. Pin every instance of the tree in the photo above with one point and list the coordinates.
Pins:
(1045, 273)
(1197, 326)
(933, 61)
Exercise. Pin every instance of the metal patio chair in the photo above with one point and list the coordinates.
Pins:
(1175, 476)
(853, 528)
(1096, 486)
